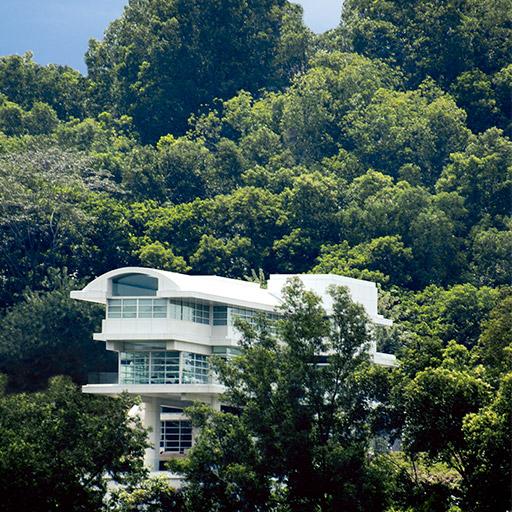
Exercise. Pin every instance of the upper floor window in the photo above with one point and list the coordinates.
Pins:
(227, 315)
(220, 315)
(137, 308)
(191, 310)
(134, 285)
(250, 315)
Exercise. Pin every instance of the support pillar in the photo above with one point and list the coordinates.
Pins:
(152, 421)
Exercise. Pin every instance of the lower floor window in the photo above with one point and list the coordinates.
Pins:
(195, 369)
(163, 367)
(176, 436)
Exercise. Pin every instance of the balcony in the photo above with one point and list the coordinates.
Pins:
(157, 373)
(171, 391)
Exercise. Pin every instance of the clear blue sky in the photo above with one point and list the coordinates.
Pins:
(58, 30)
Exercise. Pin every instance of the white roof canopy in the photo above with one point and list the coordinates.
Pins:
(235, 292)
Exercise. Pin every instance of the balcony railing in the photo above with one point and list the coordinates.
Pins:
(103, 378)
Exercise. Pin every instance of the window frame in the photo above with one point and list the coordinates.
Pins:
(179, 432)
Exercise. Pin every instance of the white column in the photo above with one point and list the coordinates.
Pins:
(152, 421)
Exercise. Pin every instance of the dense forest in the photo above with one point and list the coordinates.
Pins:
(223, 138)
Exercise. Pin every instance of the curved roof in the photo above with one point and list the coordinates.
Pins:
(173, 284)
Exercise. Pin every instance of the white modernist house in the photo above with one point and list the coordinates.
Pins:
(165, 325)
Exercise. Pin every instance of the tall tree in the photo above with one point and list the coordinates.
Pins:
(462, 44)
(303, 424)
(163, 59)
(26, 83)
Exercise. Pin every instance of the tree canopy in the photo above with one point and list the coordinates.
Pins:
(226, 138)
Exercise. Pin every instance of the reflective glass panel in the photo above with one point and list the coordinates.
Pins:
(134, 285)
(195, 368)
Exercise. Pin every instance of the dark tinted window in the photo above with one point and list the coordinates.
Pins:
(134, 285)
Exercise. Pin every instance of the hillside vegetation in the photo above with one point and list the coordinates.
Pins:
(224, 137)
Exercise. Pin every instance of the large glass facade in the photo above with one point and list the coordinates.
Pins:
(189, 310)
(176, 436)
(137, 308)
(163, 367)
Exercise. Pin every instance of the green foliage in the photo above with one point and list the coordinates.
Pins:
(494, 348)
(153, 494)
(158, 255)
(48, 334)
(440, 39)
(487, 434)
(416, 485)
(316, 104)
(383, 259)
(456, 313)
(399, 129)
(40, 120)
(379, 150)
(491, 249)
(55, 212)
(164, 58)
(26, 83)
(463, 44)
(436, 402)
(58, 448)
(482, 175)
(300, 438)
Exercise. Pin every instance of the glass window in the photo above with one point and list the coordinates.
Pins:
(201, 313)
(176, 436)
(220, 315)
(249, 315)
(190, 310)
(114, 308)
(195, 368)
(159, 308)
(129, 308)
(130, 346)
(187, 310)
(134, 285)
(226, 351)
(145, 308)
(161, 367)
(165, 367)
(166, 409)
(175, 309)
(137, 308)
(134, 367)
